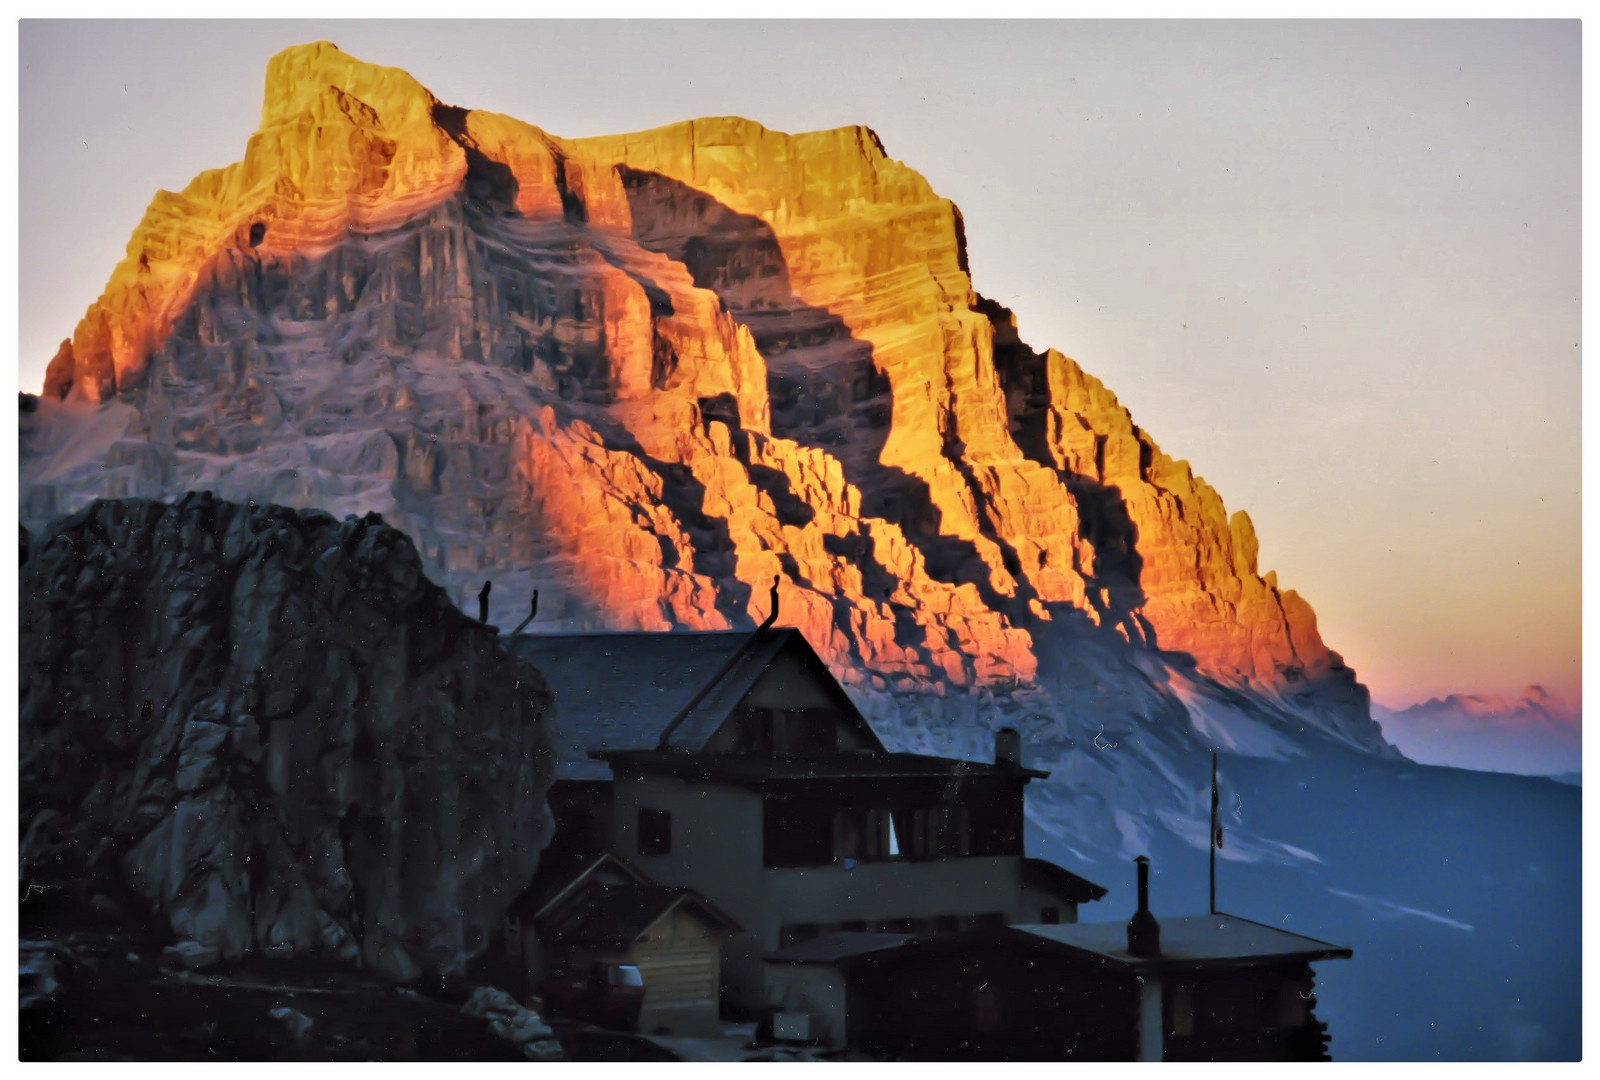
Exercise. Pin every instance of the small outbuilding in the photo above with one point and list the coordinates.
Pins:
(1221, 989)
(1216, 987)
(610, 914)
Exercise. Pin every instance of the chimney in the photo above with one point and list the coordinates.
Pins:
(483, 603)
(1144, 933)
(1008, 747)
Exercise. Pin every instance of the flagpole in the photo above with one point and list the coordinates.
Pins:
(1213, 838)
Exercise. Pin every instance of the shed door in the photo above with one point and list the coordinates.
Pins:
(680, 977)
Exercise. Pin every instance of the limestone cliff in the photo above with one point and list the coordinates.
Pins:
(272, 727)
(649, 372)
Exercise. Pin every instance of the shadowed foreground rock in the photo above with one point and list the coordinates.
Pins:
(271, 726)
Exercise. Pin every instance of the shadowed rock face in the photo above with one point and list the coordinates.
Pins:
(274, 728)
(646, 373)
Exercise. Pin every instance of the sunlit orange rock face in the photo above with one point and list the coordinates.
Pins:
(649, 374)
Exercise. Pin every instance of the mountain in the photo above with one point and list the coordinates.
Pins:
(1536, 733)
(649, 373)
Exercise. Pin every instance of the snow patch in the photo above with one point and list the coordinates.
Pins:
(1382, 906)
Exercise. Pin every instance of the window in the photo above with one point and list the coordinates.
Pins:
(1182, 1011)
(765, 732)
(849, 843)
(795, 933)
(879, 837)
(862, 835)
(796, 832)
(933, 832)
(806, 731)
(1050, 915)
(655, 832)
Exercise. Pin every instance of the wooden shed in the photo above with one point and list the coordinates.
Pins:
(673, 936)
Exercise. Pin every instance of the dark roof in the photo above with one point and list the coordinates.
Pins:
(618, 691)
(561, 870)
(840, 948)
(841, 766)
(598, 914)
(1064, 883)
(1191, 941)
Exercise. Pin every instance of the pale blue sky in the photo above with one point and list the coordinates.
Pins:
(1334, 265)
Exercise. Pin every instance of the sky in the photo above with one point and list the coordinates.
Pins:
(1335, 266)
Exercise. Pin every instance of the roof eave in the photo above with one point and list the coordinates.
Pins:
(1231, 963)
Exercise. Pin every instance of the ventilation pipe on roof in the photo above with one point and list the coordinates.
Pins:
(1008, 747)
(1144, 933)
(722, 672)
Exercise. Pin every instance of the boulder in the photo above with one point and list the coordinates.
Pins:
(37, 974)
(297, 1023)
(509, 1020)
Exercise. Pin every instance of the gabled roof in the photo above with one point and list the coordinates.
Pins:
(600, 915)
(1191, 941)
(619, 691)
(845, 765)
(559, 877)
(842, 947)
(1060, 881)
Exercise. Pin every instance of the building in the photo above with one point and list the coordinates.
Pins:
(740, 768)
(609, 915)
(1221, 988)
(1199, 988)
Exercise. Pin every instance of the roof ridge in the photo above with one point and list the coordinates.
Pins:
(528, 635)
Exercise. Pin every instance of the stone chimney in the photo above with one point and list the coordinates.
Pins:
(1144, 933)
(1008, 747)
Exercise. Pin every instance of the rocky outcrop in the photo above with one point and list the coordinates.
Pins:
(646, 373)
(270, 725)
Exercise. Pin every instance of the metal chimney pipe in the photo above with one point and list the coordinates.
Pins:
(1144, 933)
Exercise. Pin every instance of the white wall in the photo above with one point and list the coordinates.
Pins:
(814, 989)
(897, 889)
(716, 850)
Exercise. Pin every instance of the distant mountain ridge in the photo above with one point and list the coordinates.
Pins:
(1536, 732)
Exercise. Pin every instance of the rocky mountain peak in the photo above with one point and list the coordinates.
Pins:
(646, 373)
(299, 78)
